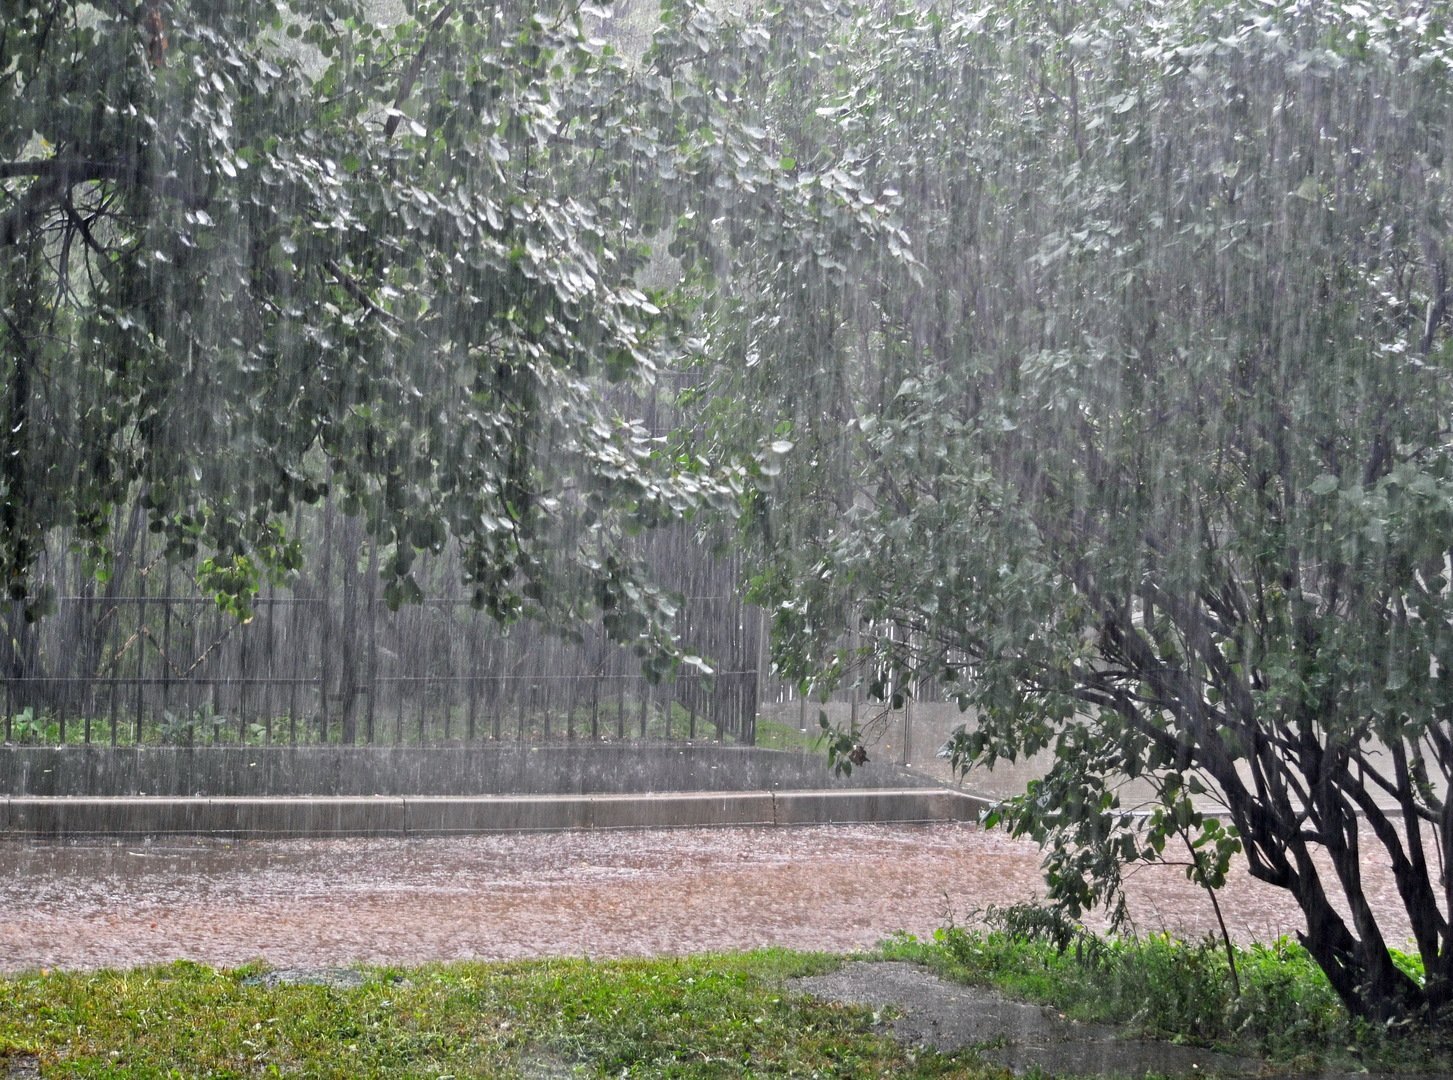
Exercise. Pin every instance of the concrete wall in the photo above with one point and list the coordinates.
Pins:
(476, 770)
(63, 816)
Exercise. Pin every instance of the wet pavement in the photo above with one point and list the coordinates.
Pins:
(1015, 1035)
(315, 903)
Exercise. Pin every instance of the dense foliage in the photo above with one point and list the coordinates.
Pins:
(1142, 452)
(256, 255)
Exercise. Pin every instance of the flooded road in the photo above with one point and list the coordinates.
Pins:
(406, 901)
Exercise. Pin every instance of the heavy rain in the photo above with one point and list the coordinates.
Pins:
(516, 480)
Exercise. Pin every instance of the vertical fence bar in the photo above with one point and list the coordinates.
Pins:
(372, 637)
(140, 645)
(399, 710)
(471, 688)
(500, 703)
(269, 698)
(272, 696)
(217, 674)
(595, 707)
(621, 707)
(449, 687)
(421, 676)
(241, 673)
(295, 649)
(194, 686)
(114, 660)
(325, 624)
(166, 642)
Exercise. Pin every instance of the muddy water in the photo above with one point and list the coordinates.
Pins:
(323, 902)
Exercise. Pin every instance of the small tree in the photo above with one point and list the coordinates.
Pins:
(1145, 450)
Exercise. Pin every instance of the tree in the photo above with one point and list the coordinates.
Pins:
(254, 255)
(1142, 454)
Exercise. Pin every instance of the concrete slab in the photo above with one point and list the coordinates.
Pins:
(860, 807)
(434, 815)
(682, 810)
(304, 816)
(282, 816)
(116, 816)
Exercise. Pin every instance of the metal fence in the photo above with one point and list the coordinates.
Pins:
(338, 667)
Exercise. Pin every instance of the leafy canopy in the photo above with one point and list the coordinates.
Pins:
(1126, 427)
(255, 255)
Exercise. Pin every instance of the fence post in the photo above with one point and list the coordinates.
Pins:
(325, 623)
(166, 642)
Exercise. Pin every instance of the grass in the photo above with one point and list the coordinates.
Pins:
(706, 1016)
(710, 1016)
(772, 735)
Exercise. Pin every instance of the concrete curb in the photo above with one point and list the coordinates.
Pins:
(61, 816)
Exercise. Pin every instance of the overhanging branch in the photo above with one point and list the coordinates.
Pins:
(66, 171)
(53, 177)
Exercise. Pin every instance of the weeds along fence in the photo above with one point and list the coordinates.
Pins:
(327, 662)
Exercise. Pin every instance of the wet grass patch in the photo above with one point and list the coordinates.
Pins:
(709, 1016)
(1166, 988)
(705, 1016)
(772, 735)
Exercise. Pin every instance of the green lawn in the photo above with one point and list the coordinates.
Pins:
(698, 1017)
(707, 1016)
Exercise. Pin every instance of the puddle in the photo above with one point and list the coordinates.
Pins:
(20, 1067)
(1020, 1037)
(1024, 1038)
(337, 902)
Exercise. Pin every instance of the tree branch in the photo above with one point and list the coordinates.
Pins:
(55, 176)
(67, 171)
(358, 292)
(411, 76)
